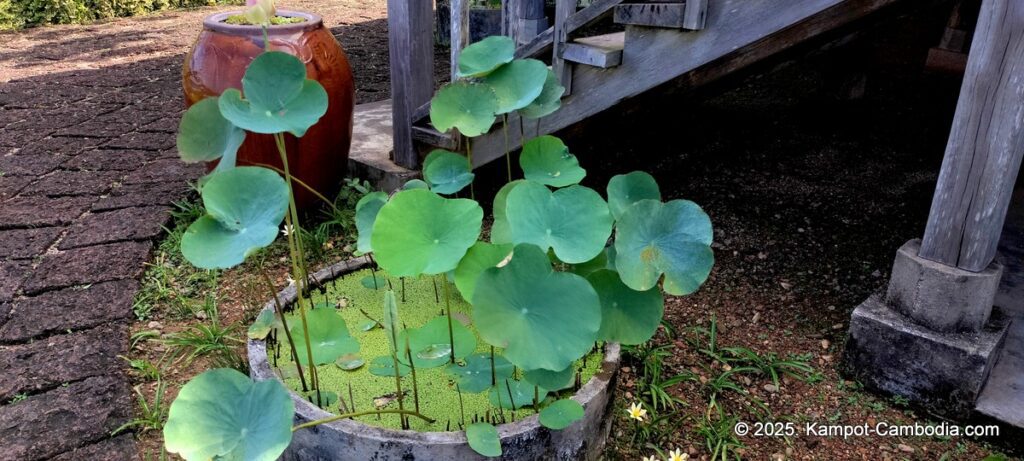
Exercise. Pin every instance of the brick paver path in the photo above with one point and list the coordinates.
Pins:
(88, 174)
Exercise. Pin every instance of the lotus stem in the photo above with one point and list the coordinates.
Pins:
(494, 377)
(462, 409)
(511, 400)
(362, 413)
(508, 156)
(351, 398)
(469, 158)
(412, 366)
(300, 183)
(536, 399)
(398, 388)
(451, 331)
(284, 324)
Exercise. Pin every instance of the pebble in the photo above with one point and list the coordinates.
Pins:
(905, 448)
(771, 388)
(786, 285)
(825, 344)
(154, 325)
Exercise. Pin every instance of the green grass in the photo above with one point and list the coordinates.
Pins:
(438, 398)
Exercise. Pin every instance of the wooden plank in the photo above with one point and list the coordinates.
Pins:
(985, 147)
(695, 14)
(541, 44)
(602, 51)
(667, 15)
(460, 33)
(740, 33)
(432, 137)
(563, 9)
(411, 48)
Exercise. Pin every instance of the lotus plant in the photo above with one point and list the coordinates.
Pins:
(546, 288)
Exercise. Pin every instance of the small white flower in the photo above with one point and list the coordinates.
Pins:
(678, 455)
(650, 458)
(290, 280)
(637, 412)
(287, 230)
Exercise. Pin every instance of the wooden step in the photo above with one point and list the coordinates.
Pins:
(602, 51)
(689, 15)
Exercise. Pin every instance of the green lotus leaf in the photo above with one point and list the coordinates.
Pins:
(541, 318)
(222, 414)
(205, 135)
(264, 323)
(627, 316)
(385, 366)
(475, 375)
(366, 214)
(415, 184)
(513, 395)
(483, 439)
(551, 380)
(278, 97)
(500, 232)
(328, 336)
(480, 58)
(434, 335)
(561, 414)
(326, 399)
(626, 189)
(548, 102)
(604, 260)
(517, 83)
(574, 221)
(447, 172)
(374, 281)
(479, 258)
(470, 107)
(419, 232)
(654, 238)
(349, 362)
(244, 208)
(546, 160)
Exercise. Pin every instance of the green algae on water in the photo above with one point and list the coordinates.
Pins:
(419, 301)
(239, 20)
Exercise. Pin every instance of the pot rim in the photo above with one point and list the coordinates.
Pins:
(215, 22)
(260, 370)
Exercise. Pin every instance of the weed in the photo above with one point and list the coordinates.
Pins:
(151, 416)
(145, 369)
(719, 437)
(18, 397)
(207, 339)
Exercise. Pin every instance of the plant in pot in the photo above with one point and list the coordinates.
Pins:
(476, 348)
(230, 41)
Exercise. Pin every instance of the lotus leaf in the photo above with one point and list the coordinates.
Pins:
(475, 376)
(548, 102)
(366, 214)
(561, 414)
(328, 336)
(374, 281)
(434, 335)
(447, 172)
(482, 57)
(349, 362)
(264, 323)
(517, 83)
(513, 395)
(415, 184)
(419, 232)
(479, 258)
(542, 318)
(551, 380)
(470, 107)
(547, 160)
(205, 135)
(385, 366)
(603, 260)
(222, 414)
(483, 439)
(326, 399)
(655, 238)
(627, 316)
(626, 189)
(278, 97)
(500, 232)
(574, 221)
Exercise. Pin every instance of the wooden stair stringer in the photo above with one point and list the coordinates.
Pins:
(738, 33)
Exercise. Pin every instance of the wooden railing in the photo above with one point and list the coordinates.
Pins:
(410, 31)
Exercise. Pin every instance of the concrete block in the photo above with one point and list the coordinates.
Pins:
(941, 297)
(943, 372)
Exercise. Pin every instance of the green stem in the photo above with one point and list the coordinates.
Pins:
(412, 366)
(494, 377)
(469, 158)
(361, 413)
(508, 156)
(451, 332)
(284, 324)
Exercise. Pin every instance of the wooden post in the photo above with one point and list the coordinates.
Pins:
(985, 145)
(510, 19)
(531, 20)
(411, 48)
(562, 69)
(460, 32)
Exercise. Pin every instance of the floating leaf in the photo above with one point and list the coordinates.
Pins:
(517, 83)
(561, 414)
(483, 439)
(447, 172)
(546, 160)
(433, 335)
(326, 399)
(470, 107)
(480, 58)
(551, 380)
(479, 258)
(385, 366)
(374, 281)
(420, 232)
(349, 362)
(574, 221)
(548, 102)
(513, 395)
(626, 189)
(627, 316)
(655, 238)
(205, 135)
(542, 318)
(328, 336)
(475, 375)
(366, 214)
(368, 325)
(415, 184)
(261, 327)
(222, 414)
(244, 207)
(435, 351)
(278, 97)
(500, 231)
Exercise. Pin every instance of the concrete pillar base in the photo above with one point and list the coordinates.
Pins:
(942, 371)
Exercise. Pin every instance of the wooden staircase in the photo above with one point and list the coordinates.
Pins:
(663, 44)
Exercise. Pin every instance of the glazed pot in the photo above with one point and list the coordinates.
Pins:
(218, 61)
(524, 439)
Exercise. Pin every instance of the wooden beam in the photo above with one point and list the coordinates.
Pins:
(602, 51)
(411, 48)
(562, 69)
(985, 147)
(460, 33)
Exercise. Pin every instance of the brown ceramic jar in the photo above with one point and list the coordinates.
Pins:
(218, 61)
